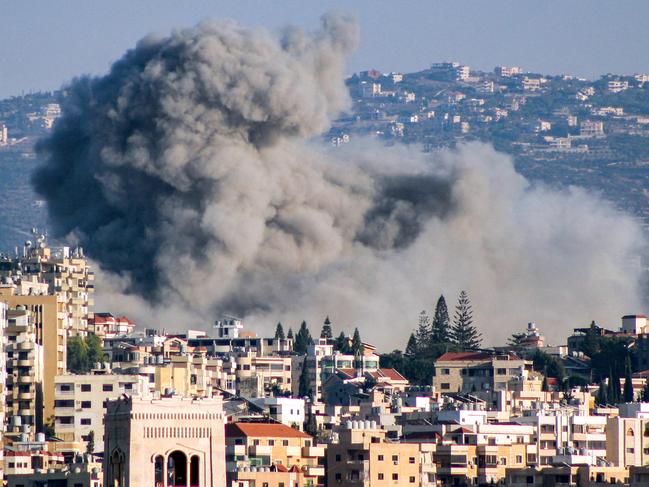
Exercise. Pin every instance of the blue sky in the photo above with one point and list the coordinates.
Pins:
(44, 43)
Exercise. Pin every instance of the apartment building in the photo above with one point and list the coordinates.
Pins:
(24, 369)
(286, 410)
(627, 435)
(471, 372)
(591, 128)
(363, 456)
(507, 71)
(106, 325)
(168, 441)
(49, 321)
(257, 375)
(80, 403)
(4, 321)
(272, 448)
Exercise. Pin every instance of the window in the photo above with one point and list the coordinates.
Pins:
(264, 484)
(395, 476)
(271, 442)
(107, 387)
(337, 458)
(339, 477)
(380, 458)
(519, 458)
(412, 480)
(501, 371)
(86, 421)
(86, 404)
(395, 458)
(380, 476)
(446, 385)
(284, 442)
(86, 388)
(66, 387)
(256, 442)
(411, 460)
(445, 371)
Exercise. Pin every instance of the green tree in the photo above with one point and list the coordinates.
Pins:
(357, 344)
(628, 395)
(77, 355)
(602, 394)
(613, 387)
(464, 334)
(279, 332)
(423, 333)
(411, 347)
(302, 339)
(289, 335)
(516, 340)
(326, 332)
(342, 343)
(95, 350)
(393, 360)
(304, 387)
(90, 444)
(548, 365)
(441, 323)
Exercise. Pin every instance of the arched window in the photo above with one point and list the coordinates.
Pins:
(194, 472)
(629, 432)
(158, 471)
(177, 469)
(117, 468)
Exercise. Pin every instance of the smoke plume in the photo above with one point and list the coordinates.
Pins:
(192, 174)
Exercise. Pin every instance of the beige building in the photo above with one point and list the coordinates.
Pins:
(255, 450)
(362, 456)
(3, 380)
(169, 442)
(24, 369)
(80, 403)
(472, 372)
(48, 318)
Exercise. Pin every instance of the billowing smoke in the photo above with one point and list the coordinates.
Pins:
(193, 175)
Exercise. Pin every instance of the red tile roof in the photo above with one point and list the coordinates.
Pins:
(257, 430)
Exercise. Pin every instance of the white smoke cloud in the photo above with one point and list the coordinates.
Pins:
(191, 175)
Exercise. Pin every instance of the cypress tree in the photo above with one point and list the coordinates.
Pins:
(279, 332)
(464, 334)
(602, 394)
(302, 339)
(289, 335)
(357, 344)
(441, 322)
(304, 387)
(628, 382)
(326, 329)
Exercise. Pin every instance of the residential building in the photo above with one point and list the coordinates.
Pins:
(80, 403)
(470, 372)
(4, 323)
(616, 85)
(79, 474)
(363, 456)
(264, 447)
(168, 441)
(286, 410)
(24, 369)
(106, 325)
(507, 71)
(591, 128)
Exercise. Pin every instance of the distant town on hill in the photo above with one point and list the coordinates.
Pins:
(560, 130)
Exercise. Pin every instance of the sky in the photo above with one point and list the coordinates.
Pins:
(44, 44)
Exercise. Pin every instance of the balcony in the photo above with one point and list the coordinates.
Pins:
(26, 346)
(235, 450)
(25, 363)
(313, 451)
(25, 396)
(315, 471)
(260, 450)
(25, 379)
(293, 451)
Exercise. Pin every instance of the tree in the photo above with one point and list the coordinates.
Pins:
(441, 322)
(464, 334)
(548, 365)
(342, 343)
(279, 332)
(77, 355)
(613, 387)
(84, 353)
(628, 382)
(516, 340)
(393, 360)
(644, 395)
(302, 339)
(326, 329)
(411, 347)
(289, 335)
(357, 344)
(304, 388)
(423, 333)
(90, 444)
(602, 394)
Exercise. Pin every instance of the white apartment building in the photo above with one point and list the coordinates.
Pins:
(286, 410)
(79, 403)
